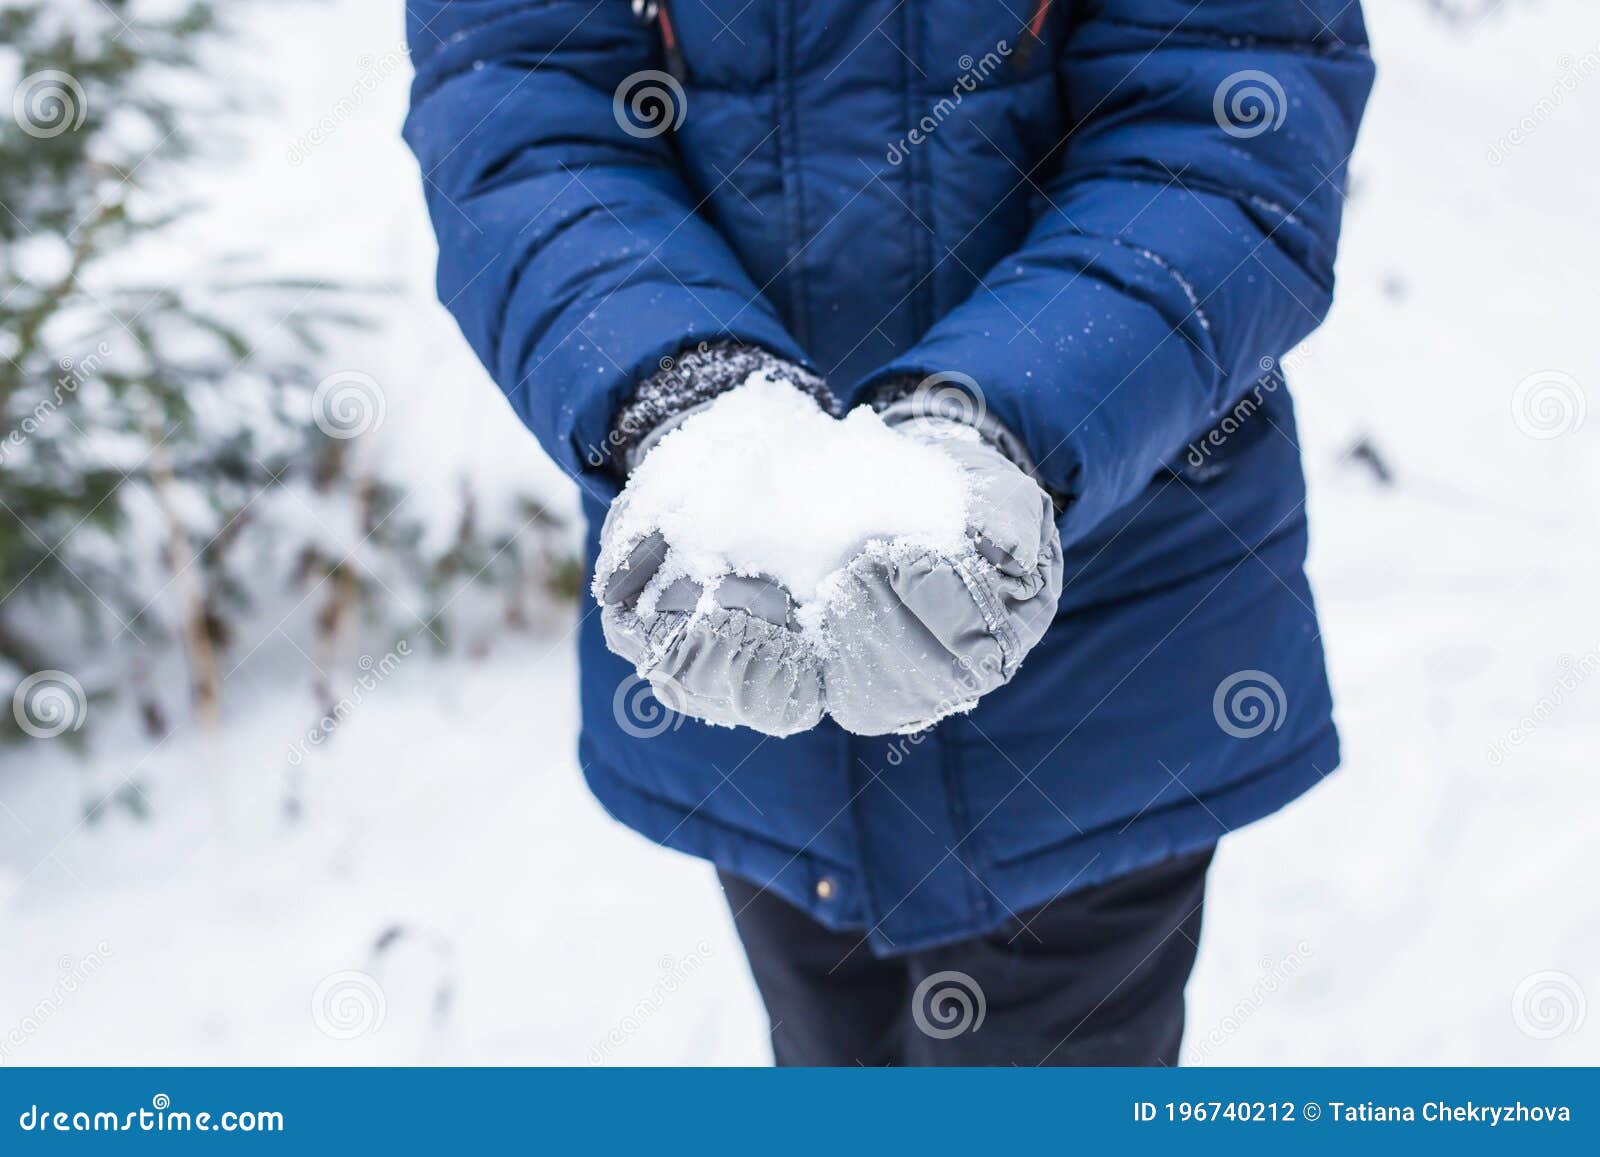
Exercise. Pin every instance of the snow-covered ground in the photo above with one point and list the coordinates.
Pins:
(451, 894)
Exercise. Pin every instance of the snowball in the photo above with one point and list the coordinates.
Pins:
(763, 482)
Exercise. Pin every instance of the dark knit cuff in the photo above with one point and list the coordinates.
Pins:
(949, 398)
(692, 380)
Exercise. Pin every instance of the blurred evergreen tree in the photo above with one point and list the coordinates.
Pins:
(170, 453)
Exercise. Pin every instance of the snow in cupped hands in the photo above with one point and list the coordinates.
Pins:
(763, 483)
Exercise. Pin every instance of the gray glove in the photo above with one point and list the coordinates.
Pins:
(915, 638)
(909, 637)
(741, 659)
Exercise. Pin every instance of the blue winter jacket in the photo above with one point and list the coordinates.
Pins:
(1114, 215)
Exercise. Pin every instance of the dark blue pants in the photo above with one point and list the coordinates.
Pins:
(1095, 977)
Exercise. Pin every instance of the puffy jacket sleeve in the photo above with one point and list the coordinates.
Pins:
(570, 250)
(1188, 235)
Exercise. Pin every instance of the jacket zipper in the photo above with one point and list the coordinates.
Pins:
(1032, 33)
(655, 12)
(1036, 25)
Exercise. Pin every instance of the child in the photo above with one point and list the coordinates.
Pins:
(1105, 219)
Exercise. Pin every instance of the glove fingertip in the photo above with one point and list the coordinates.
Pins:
(624, 585)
